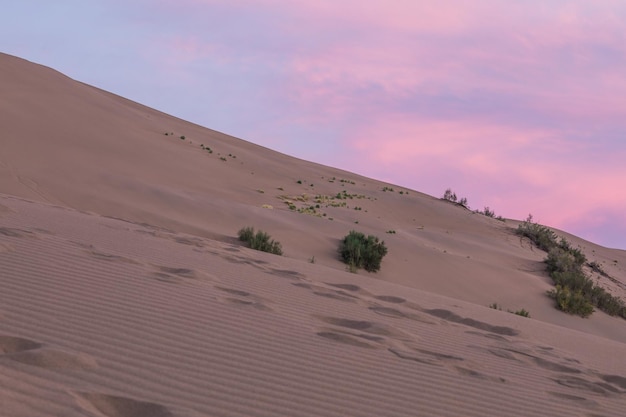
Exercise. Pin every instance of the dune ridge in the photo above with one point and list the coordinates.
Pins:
(125, 292)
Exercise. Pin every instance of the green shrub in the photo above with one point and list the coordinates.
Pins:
(573, 302)
(260, 241)
(359, 251)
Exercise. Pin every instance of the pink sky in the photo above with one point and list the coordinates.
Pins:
(519, 106)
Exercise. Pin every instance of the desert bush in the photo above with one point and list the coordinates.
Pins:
(575, 292)
(573, 302)
(450, 195)
(260, 241)
(541, 236)
(359, 251)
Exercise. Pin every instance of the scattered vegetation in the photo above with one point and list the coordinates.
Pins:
(490, 213)
(313, 205)
(574, 291)
(259, 241)
(359, 251)
(522, 312)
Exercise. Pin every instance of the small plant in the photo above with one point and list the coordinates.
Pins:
(260, 241)
(495, 306)
(359, 251)
(222, 159)
(299, 181)
(521, 312)
(391, 232)
(182, 137)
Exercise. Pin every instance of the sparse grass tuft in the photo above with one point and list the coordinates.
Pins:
(521, 312)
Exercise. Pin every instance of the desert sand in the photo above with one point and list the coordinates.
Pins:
(126, 293)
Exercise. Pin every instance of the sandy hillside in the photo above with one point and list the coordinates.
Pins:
(126, 294)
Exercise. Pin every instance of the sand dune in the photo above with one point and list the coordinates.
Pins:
(126, 294)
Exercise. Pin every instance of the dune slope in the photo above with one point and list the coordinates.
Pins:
(125, 292)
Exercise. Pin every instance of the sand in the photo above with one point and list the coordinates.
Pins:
(125, 292)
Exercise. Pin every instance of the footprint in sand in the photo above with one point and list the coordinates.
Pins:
(10, 344)
(455, 318)
(190, 241)
(243, 298)
(362, 333)
(116, 406)
(178, 275)
(33, 353)
(584, 402)
(111, 258)
(390, 299)
(449, 361)
(19, 233)
(286, 273)
(322, 291)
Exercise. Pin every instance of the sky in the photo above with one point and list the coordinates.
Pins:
(517, 105)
